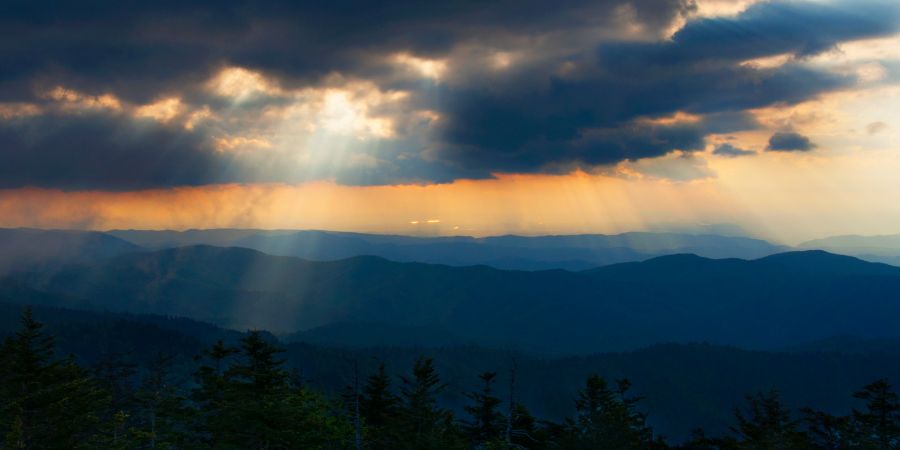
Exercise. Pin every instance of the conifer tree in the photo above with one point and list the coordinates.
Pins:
(209, 395)
(254, 403)
(606, 418)
(829, 432)
(257, 394)
(879, 423)
(160, 408)
(115, 375)
(380, 408)
(486, 425)
(524, 431)
(767, 424)
(425, 426)
(47, 402)
(352, 398)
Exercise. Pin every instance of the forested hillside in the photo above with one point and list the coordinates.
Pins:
(243, 394)
(773, 302)
(683, 386)
(693, 335)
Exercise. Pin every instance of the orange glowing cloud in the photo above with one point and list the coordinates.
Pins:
(162, 110)
(72, 99)
(14, 110)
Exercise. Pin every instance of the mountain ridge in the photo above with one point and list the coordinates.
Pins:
(572, 252)
(26, 248)
(621, 306)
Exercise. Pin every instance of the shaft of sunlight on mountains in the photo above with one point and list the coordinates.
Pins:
(585, 225)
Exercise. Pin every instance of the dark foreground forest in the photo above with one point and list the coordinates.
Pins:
(243, 396)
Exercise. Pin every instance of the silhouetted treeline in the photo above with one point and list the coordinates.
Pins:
(243, 397)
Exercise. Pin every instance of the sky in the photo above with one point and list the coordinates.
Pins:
(778, 119)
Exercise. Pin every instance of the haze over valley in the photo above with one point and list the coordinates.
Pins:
(454, 225)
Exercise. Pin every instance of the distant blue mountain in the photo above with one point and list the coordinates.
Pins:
(576, 252)
(885, 248)
(26, 248)
(771, 302)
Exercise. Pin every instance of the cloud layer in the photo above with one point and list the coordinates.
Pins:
(116, 95)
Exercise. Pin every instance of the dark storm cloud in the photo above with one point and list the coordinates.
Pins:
(104, 151)
(523, 152)
(731, 151)
(697, 71)
(771, 28)
(527, 131)
(789, 142)
(138, 49)
(581, 103)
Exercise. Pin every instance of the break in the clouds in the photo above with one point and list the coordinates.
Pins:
(124, 95)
